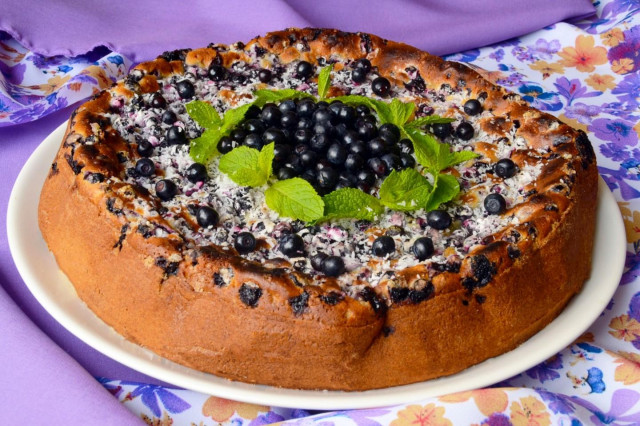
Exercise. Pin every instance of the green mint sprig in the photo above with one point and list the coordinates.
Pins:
(295, 198)
(248, 166)
(405, 190)
(352, 203)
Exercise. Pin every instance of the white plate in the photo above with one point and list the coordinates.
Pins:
(56, 294)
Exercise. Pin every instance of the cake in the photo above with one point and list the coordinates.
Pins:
(317, 209)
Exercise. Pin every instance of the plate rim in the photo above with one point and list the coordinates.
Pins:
(108, 342)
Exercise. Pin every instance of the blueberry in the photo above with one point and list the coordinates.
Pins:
(407, 161)
(253, 112)
(366, 129)
(273, 134)
(347, 114)
(464, 131)
(383, 246)
(264, 75)
(287, 172)
(308, 158)
(166, 189)
(302, 136)
(322, 104)
(169, 117)
(239, 79)
(505, 168)
(317, 259)
(353, 162)
(253, 140)
(377, 146)
(238, 135)
(336, 154)
(422, 248)
(144, 148)
(250, 295)
(207, 217)
(377, 166)
(320, 143)
(406, 146)
(306, 107)
(333, 266)
(271, 115)
(225, 144)
(363, 64)
(381, 87)
(158, 101)
(322, 115)
(289, 120)
(305, 123)
(335, 107)
(244, 242)
(288, 106)
(304, 69)
(323, 128)
(350, 136)
(299, 149)
(196, 173)
(392, 161)
(145, 167)
(366, 177)
(495, 203)
(439, 219)
(309, 175)
(217, 72)
(358, 147)
(281, 152)
(253, 125)
(358, 76)
(348, 179)
(362, 110)
(291, 245)
(176, 136)
(390, 131)
(185, 89)
(327, 178)
(472, 107)
(442, 130)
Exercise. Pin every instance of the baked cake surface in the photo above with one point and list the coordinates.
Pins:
(185, 261)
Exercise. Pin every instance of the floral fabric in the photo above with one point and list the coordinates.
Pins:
(588, 75)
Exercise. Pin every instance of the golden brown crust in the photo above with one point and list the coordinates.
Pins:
(160, 292)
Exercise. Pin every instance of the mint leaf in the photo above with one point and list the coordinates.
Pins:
(405, 190)
(245, 166)
(324, 81)
(399, 112)
(265, 96)
(351, 203)
(294, 198)
(265, 159)
(446, 188)
(204, 114)
(233, 117)
(433, 155)
(204, 147)
(428, 120)
(461, 157)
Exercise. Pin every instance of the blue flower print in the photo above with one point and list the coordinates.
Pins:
(557, 403)
(573, 89)
(150, 395)
(538, 98)
(629, 90)
(594, 380)
(546, 370)
(467, 56)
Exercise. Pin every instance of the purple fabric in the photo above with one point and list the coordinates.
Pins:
(142, 29)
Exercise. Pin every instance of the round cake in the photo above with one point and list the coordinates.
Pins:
(317, 209)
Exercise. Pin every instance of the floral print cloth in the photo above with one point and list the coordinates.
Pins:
(586, 73)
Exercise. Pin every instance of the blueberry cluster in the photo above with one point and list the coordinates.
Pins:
(330, 145)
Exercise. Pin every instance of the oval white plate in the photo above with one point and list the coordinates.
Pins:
(57, 295)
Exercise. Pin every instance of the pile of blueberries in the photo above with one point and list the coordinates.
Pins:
(330, 145)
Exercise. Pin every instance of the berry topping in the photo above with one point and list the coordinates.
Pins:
(505, 168)
(244, 242)
(336, 154)
(442, 130)
(185, 89)
(158, 101)
(472, 107)
(464, 131)
(381, 87)
(264, 75)
(383, 246)
(145, 167)
(225, 144)
(144, 148)
(333, 266)
(495, 203)
(317, 260)
(169, 117)
(250, 294)
(422, 248)
(358, 75)
(176, 136)
(291, 245)
(217, 73)
(207, 217)
(304, 69)
(196, 173)
(363, 64)
(439, 219)
(166, 189)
